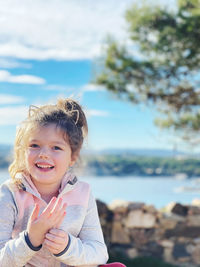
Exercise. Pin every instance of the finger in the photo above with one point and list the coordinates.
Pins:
(58, 232)
(64, 206)
(59, 220)
(35, 212)
(49, 207)
(53, 247)
(57, 207)
(55, 238)
(58, 212)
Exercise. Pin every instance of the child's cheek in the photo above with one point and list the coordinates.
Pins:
(29, 157)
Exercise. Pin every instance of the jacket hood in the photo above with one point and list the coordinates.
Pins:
(68, 182)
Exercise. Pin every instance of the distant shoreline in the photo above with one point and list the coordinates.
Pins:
(131, 165)
(119, 165)
(92, 173)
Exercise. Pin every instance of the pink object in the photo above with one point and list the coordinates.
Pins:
(114, 264)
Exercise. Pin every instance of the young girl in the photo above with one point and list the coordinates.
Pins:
(48, 217)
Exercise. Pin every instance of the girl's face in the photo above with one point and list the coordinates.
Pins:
(48, 156)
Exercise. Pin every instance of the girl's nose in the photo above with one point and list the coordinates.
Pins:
(43, 153)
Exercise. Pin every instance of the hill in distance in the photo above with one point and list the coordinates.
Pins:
(6, 150)
(137, 152)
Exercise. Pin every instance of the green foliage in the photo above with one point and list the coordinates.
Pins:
(141, 166)
(167, 70)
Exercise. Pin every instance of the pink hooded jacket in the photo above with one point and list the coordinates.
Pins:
(86, 246)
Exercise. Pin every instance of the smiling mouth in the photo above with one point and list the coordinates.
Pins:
(44, 167)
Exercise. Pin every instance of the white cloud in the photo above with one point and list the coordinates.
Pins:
(8, 63)
(55, 87)
(12, 115)
(96, 113)
(60, 29)
(92, 88)
(10, 99)
(6, 76)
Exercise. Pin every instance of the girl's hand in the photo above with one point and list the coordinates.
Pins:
(56, 240)
(52, 216)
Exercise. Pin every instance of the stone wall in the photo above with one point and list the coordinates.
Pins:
(136, 229)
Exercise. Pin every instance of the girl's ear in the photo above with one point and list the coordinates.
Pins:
(74, 158)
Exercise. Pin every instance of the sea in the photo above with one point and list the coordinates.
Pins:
(156, 191)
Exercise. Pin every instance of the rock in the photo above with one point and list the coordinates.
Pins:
(104, 211)
(106, 218)
(190, 248)
(193, 220)
(150, 209)
(182, 230)
(141, 236)
(176, 208)
(118, 216)
(183, 239)
(169, 207)
(179, 209)
(167, 254)
(119, 209)
(170, 221)
(152, 249)
(160, 215)
(196, 241)
(193, 210)
(119, 205)
(196, 255)
(167, 223)
(139, 219)
(158, 234)
(178, 218)
(119, 234)
(179, 251)
(135, 229)
(166, 243)
(135, 206)
(132, 253)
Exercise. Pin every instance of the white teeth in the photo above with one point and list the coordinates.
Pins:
(44, 166)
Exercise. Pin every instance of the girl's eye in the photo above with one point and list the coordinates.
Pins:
(34, 145)
(57, 148)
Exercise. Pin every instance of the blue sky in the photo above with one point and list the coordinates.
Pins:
(47, 50)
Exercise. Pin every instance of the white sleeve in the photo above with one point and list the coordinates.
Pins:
(89, 247)
(13, 252)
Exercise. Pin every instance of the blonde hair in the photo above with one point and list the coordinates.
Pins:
(66, 114)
